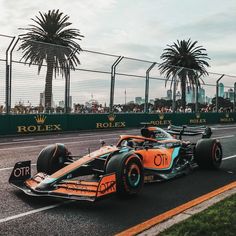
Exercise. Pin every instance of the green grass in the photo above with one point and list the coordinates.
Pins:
(217, 220)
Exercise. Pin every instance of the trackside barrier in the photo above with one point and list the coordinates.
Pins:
(44, 123)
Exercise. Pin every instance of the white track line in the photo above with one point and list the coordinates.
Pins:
(223, 128)
(10, 168)
(227, 136)
(32, 212)
(43, 145)
(229, 157)
(59, 139)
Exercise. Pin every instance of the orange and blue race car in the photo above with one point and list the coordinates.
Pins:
(155, 155)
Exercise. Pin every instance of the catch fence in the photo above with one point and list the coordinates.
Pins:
(101, 83)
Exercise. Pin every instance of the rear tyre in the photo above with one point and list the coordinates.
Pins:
(51, 158)
(208, 153)
(129, 173)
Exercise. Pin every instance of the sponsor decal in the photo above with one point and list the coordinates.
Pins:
(161, 121)
(40, 126)
(111, 123)
(21, 171)
(198, 119)
(77, 187)
(107, 187)
(148, 178)
(161, 160)
(227, 118)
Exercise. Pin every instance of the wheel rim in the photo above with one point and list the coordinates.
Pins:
(218, 154)
(134, 175)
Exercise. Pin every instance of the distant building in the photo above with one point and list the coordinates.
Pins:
(229, 94)
(61, 104)
(178, 95)
(152, 101)
(138, 100)
(189, 95)
(208, 100)
(221, 90)
(169, 94)
(70, 101)
(42, 100)
(201, 95)
(131, 102)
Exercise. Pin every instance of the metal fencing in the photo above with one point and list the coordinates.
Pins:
(101, 83)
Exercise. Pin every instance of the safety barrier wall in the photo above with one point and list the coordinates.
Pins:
(41, 123)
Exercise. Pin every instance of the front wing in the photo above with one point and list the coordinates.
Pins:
(69, 189)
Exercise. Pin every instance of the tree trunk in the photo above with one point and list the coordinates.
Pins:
(48, 87)
(183, 93)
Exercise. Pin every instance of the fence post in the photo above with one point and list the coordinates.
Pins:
(217, 92)
(67, 90)
(10, 69)
(196, 95)
(8, 81)
(113, 75)
(234, 97)
(196, 101)
(147, 86)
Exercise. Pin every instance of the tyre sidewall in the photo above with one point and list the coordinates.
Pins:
(123, 165)
(208, 153)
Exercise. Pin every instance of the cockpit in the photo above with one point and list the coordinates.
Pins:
(155, 133)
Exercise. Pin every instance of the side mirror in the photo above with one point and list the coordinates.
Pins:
(207, 133)
(102, 142)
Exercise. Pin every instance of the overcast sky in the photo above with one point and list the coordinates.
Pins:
(139, 28)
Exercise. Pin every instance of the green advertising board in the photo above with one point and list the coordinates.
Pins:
(49, 123)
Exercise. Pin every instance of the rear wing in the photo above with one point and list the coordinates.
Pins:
(205, 131)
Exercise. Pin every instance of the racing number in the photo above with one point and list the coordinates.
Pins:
(161, 160)
(21, 171)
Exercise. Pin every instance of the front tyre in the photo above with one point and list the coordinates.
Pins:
(52, 158)
(208, 153)
(129, 173)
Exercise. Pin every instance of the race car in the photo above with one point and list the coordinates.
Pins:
(155, 155)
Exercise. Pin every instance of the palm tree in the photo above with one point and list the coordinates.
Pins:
(50, 41)
(184, 54)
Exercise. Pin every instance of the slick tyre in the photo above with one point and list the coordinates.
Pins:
(51, 158)
(208, 153)
(129, 173)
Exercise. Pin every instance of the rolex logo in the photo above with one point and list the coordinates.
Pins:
(111, 117)
(40, 119)
(161, 116)
(198, 115)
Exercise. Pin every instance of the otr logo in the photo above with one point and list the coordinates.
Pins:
(107, 187)
(22, 171)
(161, 160)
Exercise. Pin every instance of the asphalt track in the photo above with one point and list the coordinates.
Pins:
(22, 215)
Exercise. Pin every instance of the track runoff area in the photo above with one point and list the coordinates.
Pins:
(21, 214)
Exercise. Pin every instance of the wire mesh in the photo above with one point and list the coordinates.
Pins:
(85, 87)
